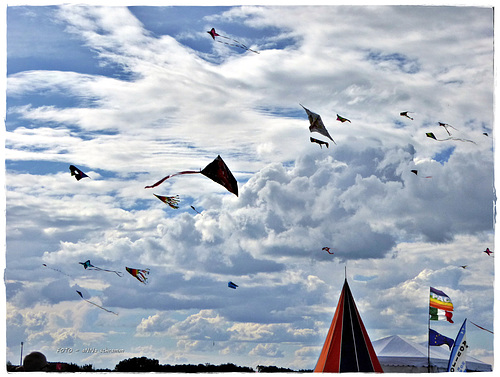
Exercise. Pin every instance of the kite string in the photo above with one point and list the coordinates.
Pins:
(172, 175)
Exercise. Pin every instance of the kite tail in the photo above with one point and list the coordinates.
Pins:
(482, 328)
(99, 306)
(236, 44)
(172, 175)
(120, 274)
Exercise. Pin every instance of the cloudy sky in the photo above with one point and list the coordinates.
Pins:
(131, 94)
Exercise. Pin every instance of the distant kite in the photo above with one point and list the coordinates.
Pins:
(232, 285)
(487, 251)
(99, 306)
(320, 142)
(414, 171)
(432, 136)
(55, 269)
(405, 114)
(217, 171)
(89, 266)
(464, 266)
(316, 124)
(194, 209)
(141, 275)
(214, 34)
(445, 125)
(77, 172)
(342, 119)
(171, 201)
(327, 249)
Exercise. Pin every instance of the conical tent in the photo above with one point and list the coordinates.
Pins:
(347, 346)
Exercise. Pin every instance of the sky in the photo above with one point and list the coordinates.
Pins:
(131, 94)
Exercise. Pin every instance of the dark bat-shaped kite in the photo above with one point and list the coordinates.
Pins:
(77, 172)
(320, 142)
(405, 114)
(342, 119)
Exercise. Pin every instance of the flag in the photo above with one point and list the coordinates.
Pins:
(440, 306)
(458, 354)
(436, 339)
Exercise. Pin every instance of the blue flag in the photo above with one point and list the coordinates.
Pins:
(436, 339)
(458, 355)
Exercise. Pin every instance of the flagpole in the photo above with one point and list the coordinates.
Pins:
(428, 346)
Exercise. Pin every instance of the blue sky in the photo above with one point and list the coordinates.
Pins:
(131, 94)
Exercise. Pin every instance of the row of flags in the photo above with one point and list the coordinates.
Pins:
(441, 309)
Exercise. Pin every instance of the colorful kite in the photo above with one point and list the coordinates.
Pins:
(77, 172)
(90, 266)
(316, 124)
(232, 285)
(217, 171)
(55, 269)
(99, 306)
(140, 275)
(327, 249)
(320, 142)
(342, 119)
(414, 171)
(171, 201)
(432, 136)
(405, 114)
(487, 251)
(214, 34)
(445, 125)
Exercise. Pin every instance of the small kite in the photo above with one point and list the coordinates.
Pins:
(140, 275)
(90, 266)
(414, 171)
(77, 172)
(327, 249)
(405, 114)
(171, 201)
(320, 142)
(445, 125)
(432, 136)
(316, 124)
(194, 209)
(232, 285)
(488, 251)
(217, 171)
(342, 119)
(99, 306)
(55, 269)
(482, 328)
(214, 34)
(464, 266)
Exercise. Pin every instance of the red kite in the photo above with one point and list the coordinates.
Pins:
(214, 34)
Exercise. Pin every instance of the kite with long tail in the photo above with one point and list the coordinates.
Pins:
(93, 303)
(432, 136)
(233, 42)
(194, 209)
(55, 269)
(445, 126)
(217, 171)
(140, 275)
(89, 266)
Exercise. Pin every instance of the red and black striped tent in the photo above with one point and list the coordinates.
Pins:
(347, 346)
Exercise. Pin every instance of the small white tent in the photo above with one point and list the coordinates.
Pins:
(398, 355)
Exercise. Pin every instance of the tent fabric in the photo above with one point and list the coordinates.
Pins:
(347, 347)
(401, 355)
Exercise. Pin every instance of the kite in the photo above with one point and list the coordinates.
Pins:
(77, 172)
(464, 266)
(405, 114)
(90, 266)
(317, 124)
(232, 285)
(171, 201)
(55, 269)
(140, 275)
(432, 136)
(414, 171)
(482, 328)
(320, 142)
(99, 306)
(487, 251)
(217, 171)
(445, 125)
(194, 209)
(342, 119)
(327, 249)
(214, 34)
